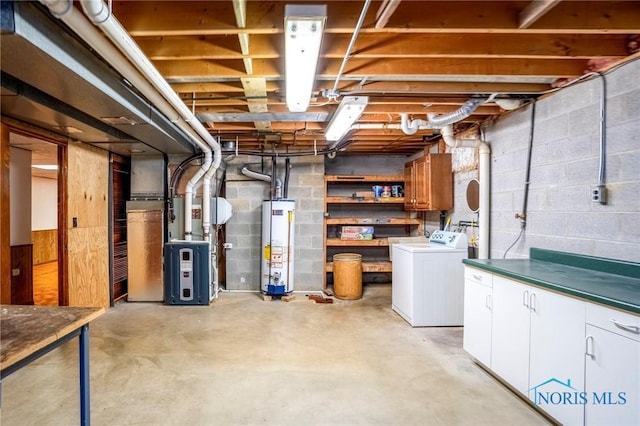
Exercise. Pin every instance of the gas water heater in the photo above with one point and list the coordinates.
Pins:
(277, 246)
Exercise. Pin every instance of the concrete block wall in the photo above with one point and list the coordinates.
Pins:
(244, 229)
(564, 168)
(366, 165)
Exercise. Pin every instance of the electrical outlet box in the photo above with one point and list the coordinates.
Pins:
(599, 194)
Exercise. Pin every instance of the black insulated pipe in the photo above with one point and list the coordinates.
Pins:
(287, 166)
(273, 176)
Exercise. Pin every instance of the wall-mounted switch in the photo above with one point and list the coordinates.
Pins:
(75, 222)
(15, 272)
(227, 245)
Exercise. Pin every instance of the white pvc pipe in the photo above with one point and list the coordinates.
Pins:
(100, 15)
(83, 28)
(484, 176)
(409, 127)
(206, 205)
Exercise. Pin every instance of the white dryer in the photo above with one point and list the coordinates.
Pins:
(428, 280)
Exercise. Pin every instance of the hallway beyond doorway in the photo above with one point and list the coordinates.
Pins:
(45, 284)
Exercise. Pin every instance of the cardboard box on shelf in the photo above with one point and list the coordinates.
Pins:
(356, 233)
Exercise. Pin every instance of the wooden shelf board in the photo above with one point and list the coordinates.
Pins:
(351, 200)
(373, 221)
(376, 242)
(367, 178)
(368, 266)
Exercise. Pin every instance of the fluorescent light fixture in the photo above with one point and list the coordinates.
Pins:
(303, 26)
(45, 166)
(349, 110)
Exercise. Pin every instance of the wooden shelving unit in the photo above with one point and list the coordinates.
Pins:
(347, 204)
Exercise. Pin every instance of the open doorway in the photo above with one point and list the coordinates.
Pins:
(36, 161)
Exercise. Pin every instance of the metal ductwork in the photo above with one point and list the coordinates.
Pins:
(458, 115)
(435, 121)
(42, 60)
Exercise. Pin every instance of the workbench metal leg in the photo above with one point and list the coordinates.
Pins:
(85, 416)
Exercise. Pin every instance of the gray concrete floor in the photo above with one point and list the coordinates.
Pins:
(246, 361)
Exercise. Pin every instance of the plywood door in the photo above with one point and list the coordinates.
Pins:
(87, 226)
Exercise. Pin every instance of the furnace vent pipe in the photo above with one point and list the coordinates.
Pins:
(255, 175)
(458, 115)
(484, 176)
(264, 177)
(98, 12)
(87, 32)
(435, 121)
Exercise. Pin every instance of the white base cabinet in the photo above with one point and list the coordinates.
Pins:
(556, 356)
(612, 382)
(477, 314)
(510, 333)
(574, 359)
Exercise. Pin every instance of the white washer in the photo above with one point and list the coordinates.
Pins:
(428, 280)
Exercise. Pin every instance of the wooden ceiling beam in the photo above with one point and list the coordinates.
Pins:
(392, 88)
(397, 88)
(370, 110)
(407, 67)
(422, 101)
(371, 68)
(143, 18)
(397, 45)
(256, 91)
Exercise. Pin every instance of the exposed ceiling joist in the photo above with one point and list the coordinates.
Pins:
(225, 59)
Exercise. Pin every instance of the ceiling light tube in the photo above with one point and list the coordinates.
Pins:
(303, 35)
(348, 112)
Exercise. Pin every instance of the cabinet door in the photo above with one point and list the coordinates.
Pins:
(477, 321)
(612, 381)
(409, 186)
(422, 183)
(556, 353)
(510, 332)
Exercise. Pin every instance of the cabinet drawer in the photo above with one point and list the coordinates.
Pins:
(622, 323)
(478, 276)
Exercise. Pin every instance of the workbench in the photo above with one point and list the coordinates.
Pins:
(29, 332)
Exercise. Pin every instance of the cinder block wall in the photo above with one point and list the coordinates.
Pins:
(564, 167)
(244, 229)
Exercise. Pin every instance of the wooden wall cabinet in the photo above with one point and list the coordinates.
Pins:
(429, 183)
(349, 201)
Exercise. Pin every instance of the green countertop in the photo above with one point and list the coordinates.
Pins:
(608, 281)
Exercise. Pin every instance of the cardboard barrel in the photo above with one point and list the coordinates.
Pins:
(347, 276)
